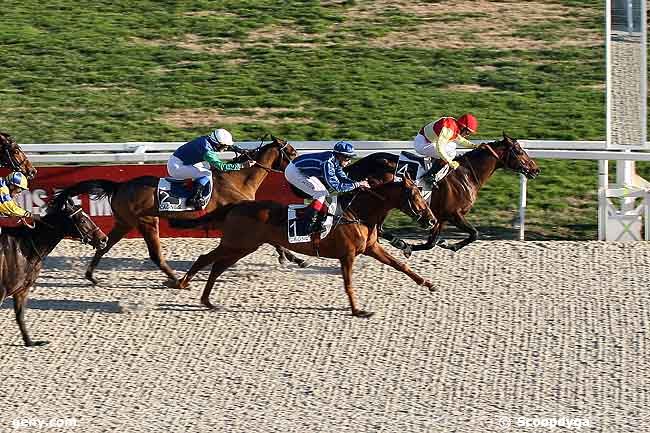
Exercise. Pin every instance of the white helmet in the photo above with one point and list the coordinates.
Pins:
(222, 137)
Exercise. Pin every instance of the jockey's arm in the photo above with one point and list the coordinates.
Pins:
(212, 158)
(465, 142)
(443, 138)
(11, 209)
(338, 184)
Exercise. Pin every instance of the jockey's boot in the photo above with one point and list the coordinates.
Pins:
(198, 199)
(315, 229)
(430, 175)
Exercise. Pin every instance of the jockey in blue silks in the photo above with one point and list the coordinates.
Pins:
(316, 174)
(193, 161)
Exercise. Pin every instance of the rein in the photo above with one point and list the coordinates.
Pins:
(283, 155)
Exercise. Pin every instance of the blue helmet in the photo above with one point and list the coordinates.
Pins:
(18, 179)
(344, 148)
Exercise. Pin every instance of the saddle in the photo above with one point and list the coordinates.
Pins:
(298, 228)
(174, 194)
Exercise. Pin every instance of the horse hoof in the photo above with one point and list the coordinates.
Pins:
(407, 252)
(175, 284)
(363, 314)
(210, 306)
(304, 264)
(37, 343)
(92, 279)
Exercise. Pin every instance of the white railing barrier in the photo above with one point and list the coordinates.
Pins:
(158, 152)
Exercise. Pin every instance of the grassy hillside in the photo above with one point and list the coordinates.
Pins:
(308, 70)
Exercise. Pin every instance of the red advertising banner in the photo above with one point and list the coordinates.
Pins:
(51, 179)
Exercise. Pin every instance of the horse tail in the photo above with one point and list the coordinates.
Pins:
(100, 188)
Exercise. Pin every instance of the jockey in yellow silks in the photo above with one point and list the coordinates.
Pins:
(439, 139)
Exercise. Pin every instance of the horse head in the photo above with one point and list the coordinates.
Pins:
(12, 156)
(512, 156)
(275, 155)
(405, 196)
(74, 222)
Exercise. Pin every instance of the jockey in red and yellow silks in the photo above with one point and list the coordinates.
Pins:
(439, 138)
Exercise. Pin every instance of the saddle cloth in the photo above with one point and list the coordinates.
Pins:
(173, 194)
(298, 227)
(415, 166)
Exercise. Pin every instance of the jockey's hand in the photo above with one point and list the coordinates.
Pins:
(454, 165)
(363, 184)
(35, 217)
(248, 164)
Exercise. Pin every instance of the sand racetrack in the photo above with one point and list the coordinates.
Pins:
(535, 330)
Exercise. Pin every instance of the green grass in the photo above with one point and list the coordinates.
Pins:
(115, 71)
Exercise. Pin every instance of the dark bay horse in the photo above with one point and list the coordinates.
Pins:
(22, 251)
(135, 205)
(458, 191)
(12, 156)
(249, 224)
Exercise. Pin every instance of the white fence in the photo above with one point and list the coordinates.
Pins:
(158, 152)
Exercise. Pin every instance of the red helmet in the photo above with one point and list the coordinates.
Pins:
(468, 121)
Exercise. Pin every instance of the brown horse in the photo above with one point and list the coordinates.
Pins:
(247, 225)
(135, 205)
(22, 251)
(12, 156)
(458, 191)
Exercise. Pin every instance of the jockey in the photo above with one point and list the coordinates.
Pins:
(317, 174)
(10, 187)
(439, 139)
(193, 161)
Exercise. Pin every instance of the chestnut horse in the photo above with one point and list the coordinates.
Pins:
(12, 156)
(458, 191)
(135, 205)
(247, 225)
(22, 251)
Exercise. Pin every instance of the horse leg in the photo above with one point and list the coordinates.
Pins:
(376, 251)
(225, 261)
(398, 243)
(118, 232)
(347, 263)
(432, 240)
(201, 262)
(20, 300)
(148, 226)
(460, 222)
(284, 254)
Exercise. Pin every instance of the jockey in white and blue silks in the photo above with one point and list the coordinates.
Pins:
(316, 174)
(193, 160)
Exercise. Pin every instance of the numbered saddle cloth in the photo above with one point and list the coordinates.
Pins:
(173, 194)
(298, 227)
(416, 166)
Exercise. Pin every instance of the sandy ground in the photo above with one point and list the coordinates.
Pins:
(516, 330)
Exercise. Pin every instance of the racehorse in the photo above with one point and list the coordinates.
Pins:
(458, 191)
(135, 205)
(12, 156)
(247, 225)
(22, 251)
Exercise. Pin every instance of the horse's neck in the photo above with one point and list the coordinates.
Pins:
(369, 209)
(252, 178)
(43, 239)
(481, 165)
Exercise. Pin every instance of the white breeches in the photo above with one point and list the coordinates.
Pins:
(308, 184)
(178, 170)
(423, 147)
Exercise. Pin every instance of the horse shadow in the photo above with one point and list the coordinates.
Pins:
(67, 263)
(67, 305)
(238, 309)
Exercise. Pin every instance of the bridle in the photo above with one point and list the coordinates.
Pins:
(85, 235)
(407, 206)
(283, 156)
(406, 200)
(9, 157)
